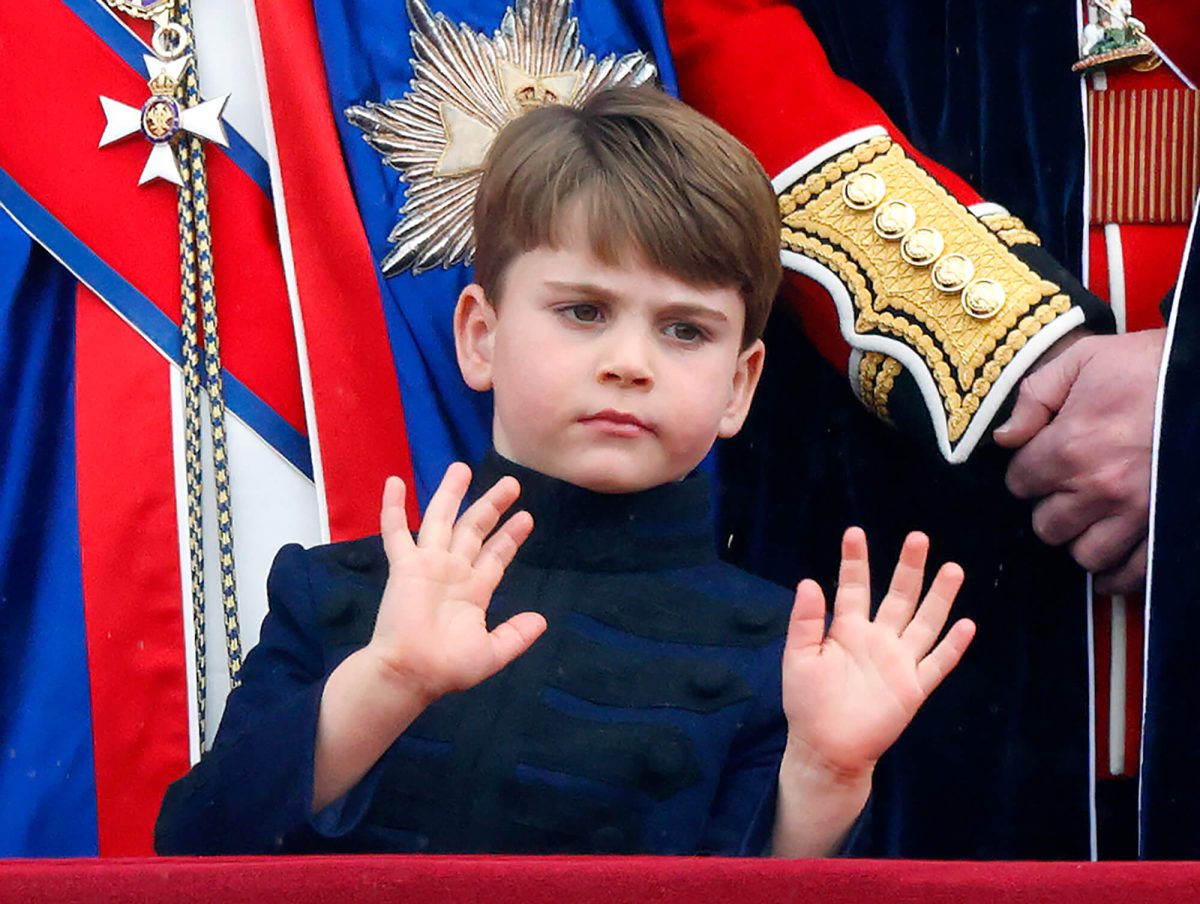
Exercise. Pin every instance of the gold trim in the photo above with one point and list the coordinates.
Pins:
(884, 383)
(1011, 230)
(1120, 129)
(1145, 154)
(1185, 148)
(1172, 151)
(1189, 190)
(1094, 127)
(1137, 150)
(877, 375)
(1142, 51)
(1110, 144)
(1154, 164)
(894, 299)
(868, 367)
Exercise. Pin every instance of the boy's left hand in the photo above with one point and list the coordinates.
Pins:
(849, 692)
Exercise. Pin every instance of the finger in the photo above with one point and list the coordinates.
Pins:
(897, 608)
(854, 577)
(1127, 578)
(945, 656)
(1108, 543)
(1040, 397)
(806, 627)
(498, 552)
(931, 616)
(482, 517)
(438, 524)
(513, 637)
(393, 521)
(1064, 515)
(1046, 464)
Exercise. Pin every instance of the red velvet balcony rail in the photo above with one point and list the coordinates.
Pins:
(590, 880)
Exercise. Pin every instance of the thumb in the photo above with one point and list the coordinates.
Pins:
(806, 627)
(1041, 396)
(515, 636)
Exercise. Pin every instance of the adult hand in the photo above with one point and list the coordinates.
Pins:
(1084, 424)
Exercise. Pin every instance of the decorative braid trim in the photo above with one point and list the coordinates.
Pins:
(965, 350)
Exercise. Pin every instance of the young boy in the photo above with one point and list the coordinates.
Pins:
(587, 676)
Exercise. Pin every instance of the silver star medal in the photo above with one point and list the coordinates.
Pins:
(465, 88)
(161, 118)
(143, 9)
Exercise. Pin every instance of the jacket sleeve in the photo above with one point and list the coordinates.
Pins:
(940, 301)
(742, 813)
(252, 793)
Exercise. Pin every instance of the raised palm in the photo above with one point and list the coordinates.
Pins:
(431, 632)
(850, 691)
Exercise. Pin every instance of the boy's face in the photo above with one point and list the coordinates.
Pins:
(616, 379)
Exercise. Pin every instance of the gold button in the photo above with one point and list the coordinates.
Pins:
(983, 298)
(894, 219)
(922, 246)
(863, 190)
(952, 272)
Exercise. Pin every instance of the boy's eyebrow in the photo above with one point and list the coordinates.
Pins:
(582, 288)
(687, 309)
(677, 309)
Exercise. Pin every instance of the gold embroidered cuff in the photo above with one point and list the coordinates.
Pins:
(930, 285)
(876, 376)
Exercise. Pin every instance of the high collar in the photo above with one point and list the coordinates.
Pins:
(668, 526)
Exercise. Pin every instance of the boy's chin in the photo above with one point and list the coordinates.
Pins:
(617, 477)
(604, 468)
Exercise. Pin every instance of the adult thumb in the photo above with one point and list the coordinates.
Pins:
(1040, 397)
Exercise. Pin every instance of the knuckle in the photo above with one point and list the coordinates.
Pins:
(1028, 394)
(1076, 449)
(1110, 485)
(1090, 556)
(1016, 478)
(1048, 526)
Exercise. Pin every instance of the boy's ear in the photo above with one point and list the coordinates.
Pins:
(745, 381)
(474, 331)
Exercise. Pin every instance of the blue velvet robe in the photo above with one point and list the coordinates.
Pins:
(998, 764)
(1170, 780)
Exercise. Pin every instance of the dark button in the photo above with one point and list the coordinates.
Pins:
(753, 619)
(709, 680)
(358, 557)
(338, 607)
(665, 761)
(608, 840)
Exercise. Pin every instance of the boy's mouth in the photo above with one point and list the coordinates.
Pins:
(617, 423)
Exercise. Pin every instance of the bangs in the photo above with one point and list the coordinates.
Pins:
(657, 183)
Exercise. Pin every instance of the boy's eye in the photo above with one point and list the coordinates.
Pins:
(685, 332)
(583, 312)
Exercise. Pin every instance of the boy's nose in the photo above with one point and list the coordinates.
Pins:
(627, 363)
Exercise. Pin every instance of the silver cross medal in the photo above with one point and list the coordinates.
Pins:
(161, 117)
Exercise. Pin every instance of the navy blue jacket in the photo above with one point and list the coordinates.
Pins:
(646, 720)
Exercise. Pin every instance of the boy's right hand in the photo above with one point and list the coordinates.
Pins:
(431, 635)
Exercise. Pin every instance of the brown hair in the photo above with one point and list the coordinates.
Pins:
(653, 176)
